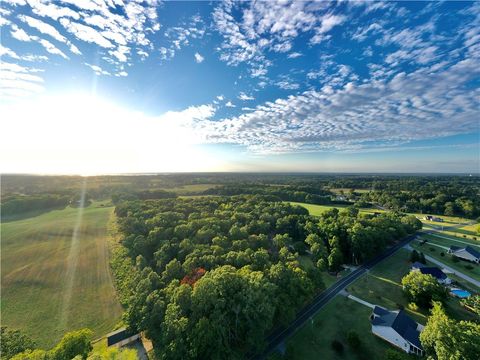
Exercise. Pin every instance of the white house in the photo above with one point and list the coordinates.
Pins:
(398, 329)
(467, 253)
(434, 271)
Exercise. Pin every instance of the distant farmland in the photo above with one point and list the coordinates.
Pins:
(53, 281)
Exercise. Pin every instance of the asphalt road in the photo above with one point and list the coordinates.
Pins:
(322, 299)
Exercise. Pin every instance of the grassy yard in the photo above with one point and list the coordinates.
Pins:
(382, 286)
(435, 252)
(54, 281)
(333, 322)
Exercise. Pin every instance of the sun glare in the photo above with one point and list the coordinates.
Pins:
(88, 135)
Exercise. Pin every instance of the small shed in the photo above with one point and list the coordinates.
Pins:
(121, 337)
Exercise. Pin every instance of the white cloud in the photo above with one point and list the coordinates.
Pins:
(420, 105)
(20, 34)
(245, 97)
(97, 69)
(286, 85)
(17, 80)
(4, 51)
(294, 55)
(43, 27)
(251, 30)
(52, 49)
(327, 24)
(86, 33)
(230, 104)
(221, 97)
(199, 58)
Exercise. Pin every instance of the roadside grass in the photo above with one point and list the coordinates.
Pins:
(333, 322)
(435, 252)
(328, 279)
(383, 285)
(35, 253)
(447, 240)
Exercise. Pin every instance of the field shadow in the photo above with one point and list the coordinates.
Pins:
(29, 214)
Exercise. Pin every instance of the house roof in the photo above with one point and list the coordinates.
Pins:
(378, 310)
(472, 251)
(454, 248)
(399, 321)
(434, 271)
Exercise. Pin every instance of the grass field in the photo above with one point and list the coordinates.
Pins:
(56, 275)
(316, 210)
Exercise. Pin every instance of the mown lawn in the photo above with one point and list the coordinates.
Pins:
(435, 252)
(53, 281)
(383, 286)
(333, 322)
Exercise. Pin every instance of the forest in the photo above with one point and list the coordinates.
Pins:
(210, 277)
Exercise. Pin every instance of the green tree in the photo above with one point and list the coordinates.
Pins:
(72, 344)
(13, 342)
(113, 353)
(414, 256)
(445, 339)
(335, 259)
(422, 289)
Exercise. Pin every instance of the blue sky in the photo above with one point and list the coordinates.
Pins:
(240, 86)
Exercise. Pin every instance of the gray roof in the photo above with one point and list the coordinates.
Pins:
(468, 249)
(472, 252)
(403, 324)
(434, 271)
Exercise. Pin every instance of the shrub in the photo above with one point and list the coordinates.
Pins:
(432, 249)
(337, 346)
(354, 340)
(442, 254)
(413, 306)
(455, 259)
(469, 267)
(465, 236)
(474, 238)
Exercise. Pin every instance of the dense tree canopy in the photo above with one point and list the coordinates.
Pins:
(447, 339)
(75, 344)
(214, 275)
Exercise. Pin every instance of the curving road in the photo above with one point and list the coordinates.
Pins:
(322, 299)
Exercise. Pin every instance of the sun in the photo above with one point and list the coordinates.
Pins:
(78, 133)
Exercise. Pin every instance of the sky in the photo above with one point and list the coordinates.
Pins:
(115, 86)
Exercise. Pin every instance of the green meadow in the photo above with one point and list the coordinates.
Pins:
(55, 274)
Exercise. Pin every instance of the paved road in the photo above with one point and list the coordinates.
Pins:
(322, 299)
